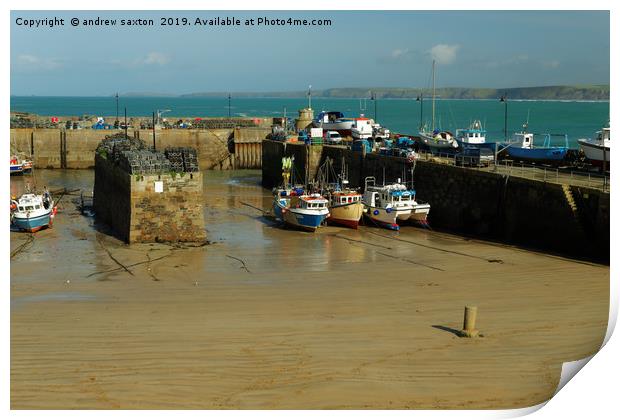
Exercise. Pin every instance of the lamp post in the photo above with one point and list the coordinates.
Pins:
(229, 105)
(154, 148)
(373, 97)
(420, 99)
(504, 99)
(116, 122)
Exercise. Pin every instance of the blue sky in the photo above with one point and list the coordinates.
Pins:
(359, 49)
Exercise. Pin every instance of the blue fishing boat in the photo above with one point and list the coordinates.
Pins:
(473, 137)
(32, 212)
(294, 207)
(305, 211)
(522, 148)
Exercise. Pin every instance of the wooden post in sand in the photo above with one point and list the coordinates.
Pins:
(469, 322)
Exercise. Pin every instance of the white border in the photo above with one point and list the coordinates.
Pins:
(592, 394)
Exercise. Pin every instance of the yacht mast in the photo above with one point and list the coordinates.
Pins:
(433, 125)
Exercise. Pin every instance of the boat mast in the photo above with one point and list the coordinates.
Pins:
(433, 76)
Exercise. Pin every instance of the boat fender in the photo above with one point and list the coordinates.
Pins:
(376, 212)
(388, 210)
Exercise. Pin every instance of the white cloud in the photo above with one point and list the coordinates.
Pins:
(32, 62)
(397, 53)
(551, 64)
(444, 53)
(157, 58)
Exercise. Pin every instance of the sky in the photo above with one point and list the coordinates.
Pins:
(492, 49)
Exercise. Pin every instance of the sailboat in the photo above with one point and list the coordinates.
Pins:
(436, 138)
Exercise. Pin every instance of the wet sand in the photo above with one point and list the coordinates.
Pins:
(272, 318)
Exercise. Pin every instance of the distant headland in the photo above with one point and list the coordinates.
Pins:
(568, 92)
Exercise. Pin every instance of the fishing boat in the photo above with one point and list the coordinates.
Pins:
(20, 166)
(597, 150)
(435, 138)
(293, 206)
(334, 121)
(386, 205)
(473, 137)
(522, 148)
(345, 204)
(32, 212)
(306, 211)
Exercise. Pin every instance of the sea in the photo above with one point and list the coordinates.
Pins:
(575, 119)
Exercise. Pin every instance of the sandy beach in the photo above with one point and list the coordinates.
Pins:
(268, 318)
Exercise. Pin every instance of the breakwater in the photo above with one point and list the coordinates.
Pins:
(561, 218)
(75, 149)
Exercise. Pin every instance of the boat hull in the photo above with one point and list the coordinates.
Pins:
(33, 224)
(485, 145)
(17, 169)
(299, 218)
(594, 152)
(382, 217)
(420, 213)
(347, 215)
(439, 143)
(553, 154)
(340, 126)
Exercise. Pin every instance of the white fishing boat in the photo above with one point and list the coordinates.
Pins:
(334, 121)
(387, 204)
(473, 137)
(597, 150)
(32, 212)
(436, 138)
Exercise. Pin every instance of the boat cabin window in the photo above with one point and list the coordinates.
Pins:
(29, 208)
(21, 208)
(37, 207)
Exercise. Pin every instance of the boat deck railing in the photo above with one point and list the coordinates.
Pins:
(556, 175)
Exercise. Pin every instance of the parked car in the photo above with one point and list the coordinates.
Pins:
(333, 137)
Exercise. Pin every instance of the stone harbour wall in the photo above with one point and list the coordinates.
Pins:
(173, 215)
(482, 204)
(165, 207)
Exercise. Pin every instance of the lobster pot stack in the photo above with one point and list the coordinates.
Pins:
(113, 146)
(143, 162)
(182, 159)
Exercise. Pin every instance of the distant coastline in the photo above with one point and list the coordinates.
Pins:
(574, 92)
